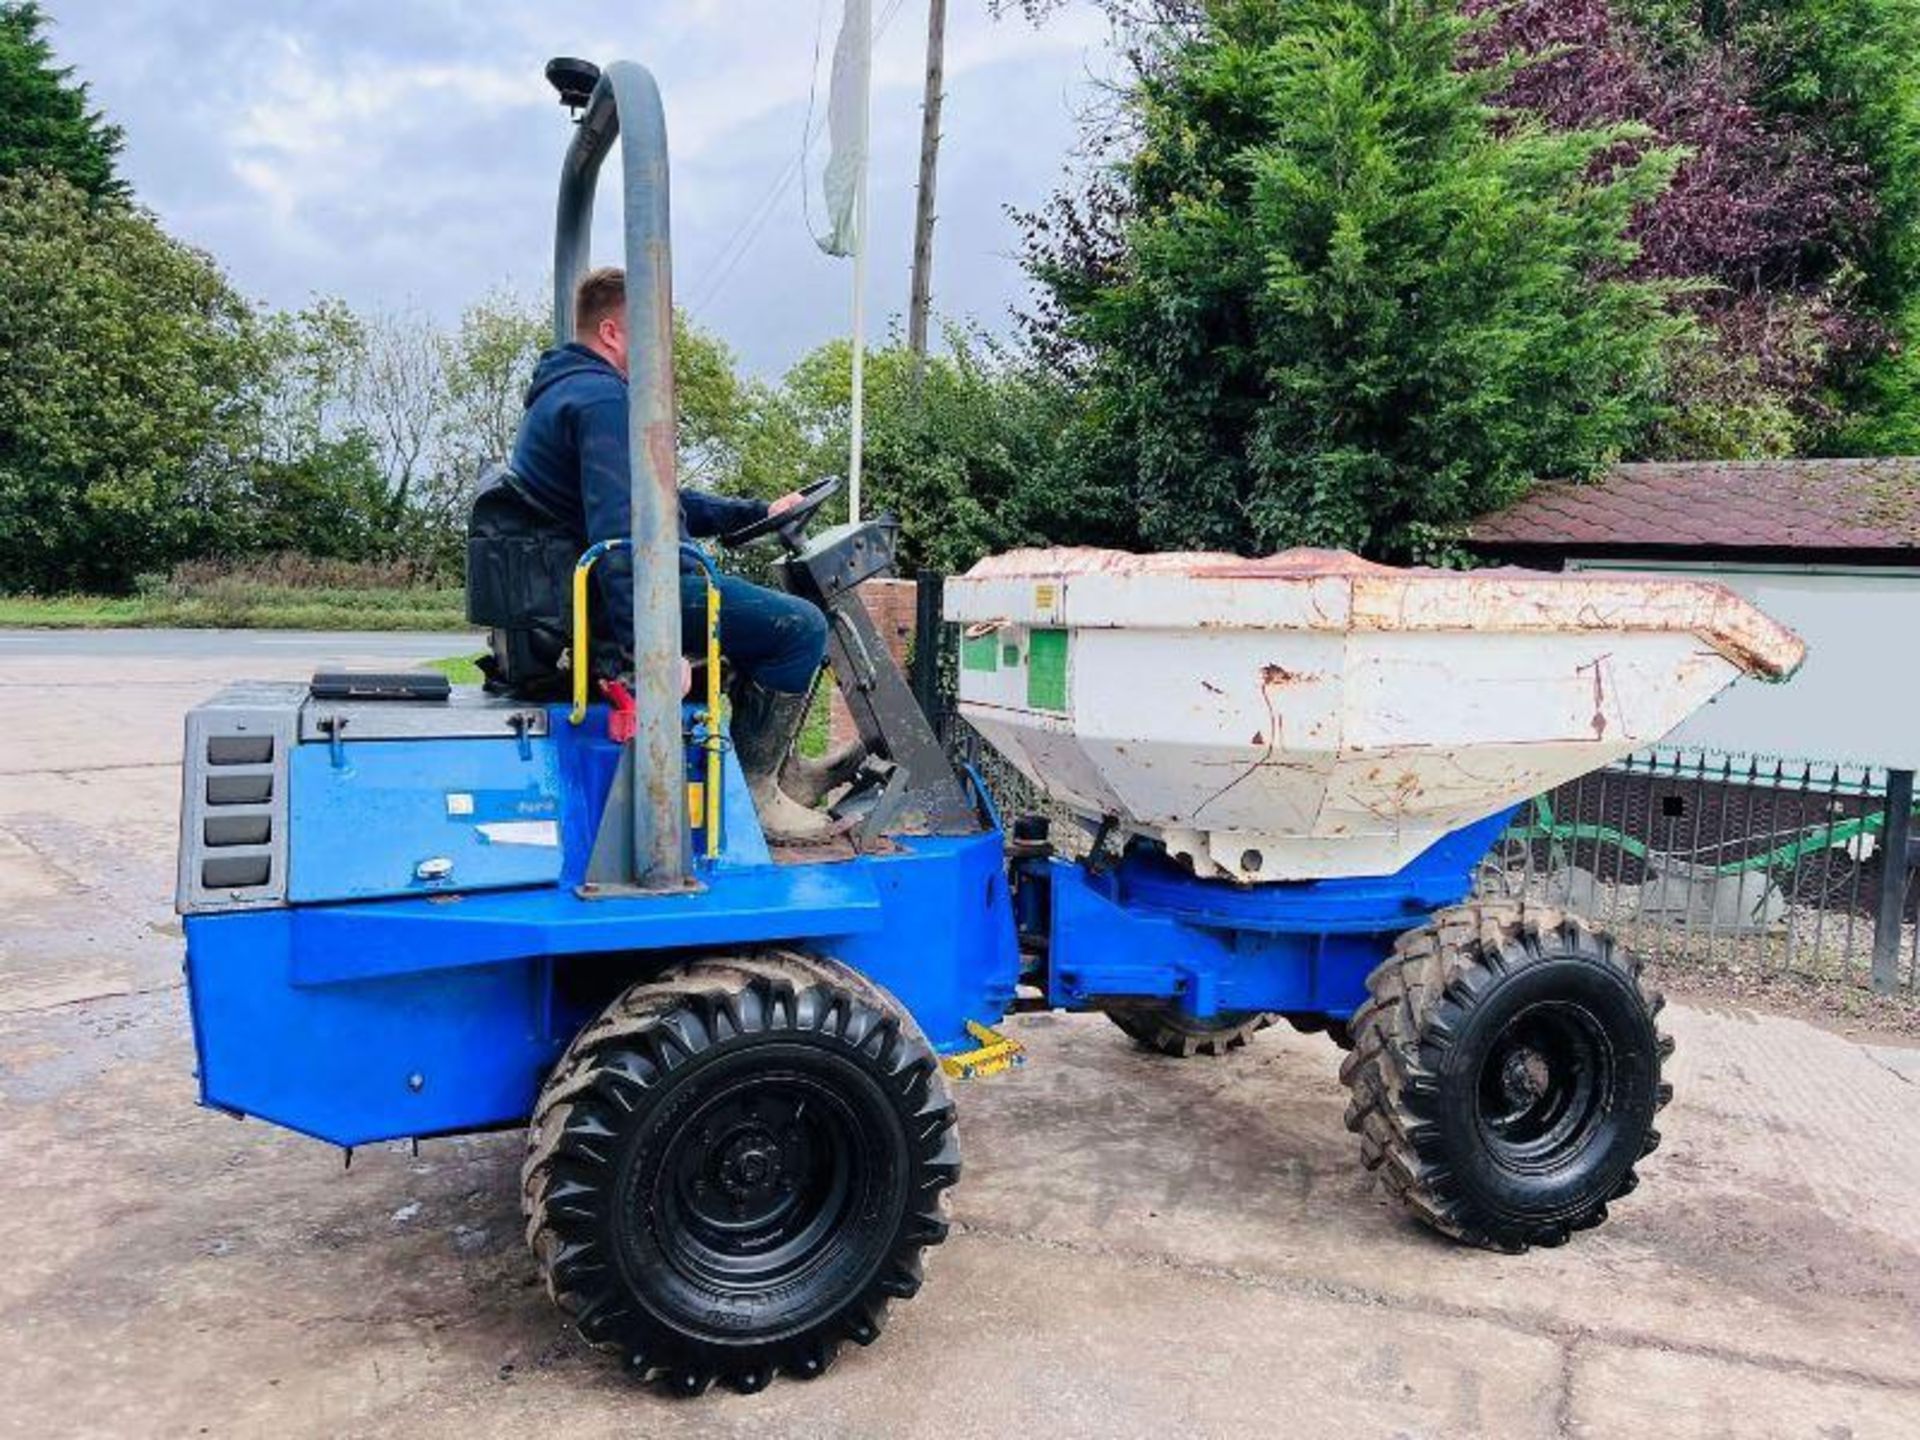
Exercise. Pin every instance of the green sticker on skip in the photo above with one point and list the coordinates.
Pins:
(1047, 670)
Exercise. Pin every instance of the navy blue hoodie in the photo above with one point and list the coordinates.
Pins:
(572, 457)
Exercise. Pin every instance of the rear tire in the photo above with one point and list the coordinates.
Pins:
(734, 1169)
(1506, 1073)
(1166, 1029)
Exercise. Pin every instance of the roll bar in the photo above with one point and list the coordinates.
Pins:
(626, 101)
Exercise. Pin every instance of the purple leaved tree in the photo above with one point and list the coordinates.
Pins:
(1763, 214)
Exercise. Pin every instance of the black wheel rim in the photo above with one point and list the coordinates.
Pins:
(756, 1184)
(1543, 1089)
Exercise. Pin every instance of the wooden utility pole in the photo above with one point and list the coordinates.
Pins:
(922, 298)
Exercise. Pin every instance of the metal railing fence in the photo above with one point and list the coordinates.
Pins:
(1756, 863)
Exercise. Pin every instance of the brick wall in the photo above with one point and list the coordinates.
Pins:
(892, 604)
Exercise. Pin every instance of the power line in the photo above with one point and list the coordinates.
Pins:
(741, 243)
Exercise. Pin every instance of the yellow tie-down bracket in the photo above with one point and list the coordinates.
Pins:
(702, 814)
(582, 639)
(996, 1052)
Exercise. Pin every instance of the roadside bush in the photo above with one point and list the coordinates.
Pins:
(300, 591)
(294, 570)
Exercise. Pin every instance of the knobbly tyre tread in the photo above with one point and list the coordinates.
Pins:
(1164, 1029)
(1400, 1033)
(686, 1010)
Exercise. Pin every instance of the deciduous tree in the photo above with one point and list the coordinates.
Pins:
(125, 353)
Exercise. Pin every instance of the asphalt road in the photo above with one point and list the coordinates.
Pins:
(317, 646)
(1142, 1247)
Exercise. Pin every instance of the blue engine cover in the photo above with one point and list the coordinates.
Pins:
(400, 817)
(390, 1012)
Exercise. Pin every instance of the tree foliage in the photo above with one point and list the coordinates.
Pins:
(1848, 66)
(1352, 304)
(125, 352)
(1774, 210)
(1845, 69)
(328, 500)
(1793, 219)
(964, 458)
(45, 124)
(369, 430)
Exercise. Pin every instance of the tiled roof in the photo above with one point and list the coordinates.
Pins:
(1722, 505)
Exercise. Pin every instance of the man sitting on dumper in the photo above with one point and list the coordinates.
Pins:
(572, 458)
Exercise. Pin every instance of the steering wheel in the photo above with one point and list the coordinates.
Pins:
(791, 524)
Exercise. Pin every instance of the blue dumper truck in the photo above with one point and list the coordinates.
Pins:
(416, 910)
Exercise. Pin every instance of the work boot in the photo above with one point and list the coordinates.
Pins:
(765, 723)
(811, 781)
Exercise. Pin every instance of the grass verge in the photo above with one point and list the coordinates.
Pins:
(244, 607)
(815, 732)
(460, 669)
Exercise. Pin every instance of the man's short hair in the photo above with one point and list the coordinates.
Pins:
(602, 293)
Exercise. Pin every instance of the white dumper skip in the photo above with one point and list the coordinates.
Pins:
(1314, 715)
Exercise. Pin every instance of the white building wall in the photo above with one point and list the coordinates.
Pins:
(1856, 699)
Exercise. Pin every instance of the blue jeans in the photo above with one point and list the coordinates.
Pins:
(766, 635)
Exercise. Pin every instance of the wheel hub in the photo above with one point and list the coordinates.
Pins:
(1525, 1076)
(1543, 1086)
(749, 1164)
(756, 1182)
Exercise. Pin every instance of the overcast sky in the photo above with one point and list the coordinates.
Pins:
(400, 152)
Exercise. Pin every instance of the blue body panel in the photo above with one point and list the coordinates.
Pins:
(367, 1010)
(361, 1019)
(320, 1018)
(367, 815)
(1146, 929)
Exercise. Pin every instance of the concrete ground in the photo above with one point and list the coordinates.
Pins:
(1142, 1247)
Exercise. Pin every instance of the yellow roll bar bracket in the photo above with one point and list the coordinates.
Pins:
(711, 738)
(582, 637)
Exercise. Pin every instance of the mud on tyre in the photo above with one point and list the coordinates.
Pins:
(736, 1167)
(1505, 1074)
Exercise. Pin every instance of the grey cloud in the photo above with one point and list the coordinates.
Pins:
(405, 152)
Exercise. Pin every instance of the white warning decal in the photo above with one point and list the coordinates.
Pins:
(543, 833)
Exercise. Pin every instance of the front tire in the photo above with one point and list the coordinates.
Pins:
(1506, 1073)
(734, 1169)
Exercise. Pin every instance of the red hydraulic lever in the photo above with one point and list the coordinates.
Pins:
(622, 720)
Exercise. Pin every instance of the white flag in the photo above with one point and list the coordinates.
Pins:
(847, 127)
